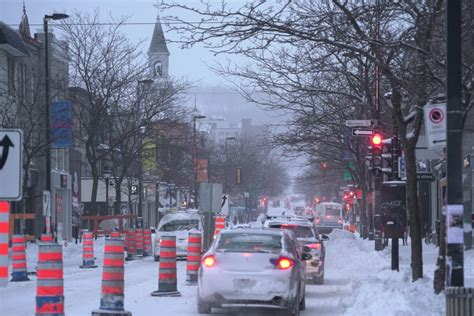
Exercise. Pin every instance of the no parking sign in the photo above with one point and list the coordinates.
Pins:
(435, 124)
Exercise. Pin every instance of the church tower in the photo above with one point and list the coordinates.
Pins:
(158, 54)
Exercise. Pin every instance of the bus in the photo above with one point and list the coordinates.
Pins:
(328, 215)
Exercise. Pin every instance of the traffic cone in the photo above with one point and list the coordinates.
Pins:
(19, 272)
(112, 293)
(4, 231)
(146, 242)
(46, 238)
(115, 234)
(219, 225)
(167, 282)
(194, 257)
(139, 241)
(131, 246)
(87, 250)
(49, 283)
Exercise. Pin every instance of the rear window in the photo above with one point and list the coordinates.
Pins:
(249, 243)
(180, 224)
(300, 231)
(333, 212)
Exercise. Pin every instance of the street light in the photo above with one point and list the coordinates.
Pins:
(226, 171)
(54, 16)
(195, 117)
(106, 174)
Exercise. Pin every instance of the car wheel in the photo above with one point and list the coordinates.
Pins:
(303, 304)
(203, 307)
(294, 306)
(319, 280)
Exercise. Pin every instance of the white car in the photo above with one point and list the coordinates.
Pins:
(178, 224)
(253, 268)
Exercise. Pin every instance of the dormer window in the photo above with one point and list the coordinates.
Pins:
(158, 69)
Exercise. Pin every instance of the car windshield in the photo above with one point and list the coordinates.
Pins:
(249, 243)
(180, 224)
(333, 212)
(300, 231)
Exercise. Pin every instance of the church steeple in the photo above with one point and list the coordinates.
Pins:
(158, 53)
(24, 28)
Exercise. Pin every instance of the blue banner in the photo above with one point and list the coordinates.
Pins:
(61, 124)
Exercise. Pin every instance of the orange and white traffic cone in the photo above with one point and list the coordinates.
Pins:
(139, 241)
(112, 294)
(49, 283)
(194, 257)
(131, 245)
(219, 225)
(115, 234)
(146, 242)
(19, 272)
(167, 280)
(87, 250)
(46, 238)
(4, 231)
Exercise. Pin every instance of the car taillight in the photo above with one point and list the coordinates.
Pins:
(314, 246)
(209, 261)
(284, 263)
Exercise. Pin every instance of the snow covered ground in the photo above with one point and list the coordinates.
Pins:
(358, 282)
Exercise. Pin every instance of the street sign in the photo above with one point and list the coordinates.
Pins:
(435, 124)
(362, 132)
(11, 144)
(225, 205)
(425, 177)
(358, 123)
(46, 203)
(402, 168)
(134, 190)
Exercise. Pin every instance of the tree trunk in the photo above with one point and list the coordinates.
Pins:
(414, 215)
(95, 186)
(118, 195)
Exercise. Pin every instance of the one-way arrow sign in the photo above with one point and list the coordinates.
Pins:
(362, 132)
(11, 151)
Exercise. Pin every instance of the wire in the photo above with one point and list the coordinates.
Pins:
(125, 23)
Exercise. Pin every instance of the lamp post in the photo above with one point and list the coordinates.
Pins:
(106, 174)
(54, 16)
(226, 171)
(195, 117)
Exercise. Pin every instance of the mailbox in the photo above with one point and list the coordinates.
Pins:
(393, 208)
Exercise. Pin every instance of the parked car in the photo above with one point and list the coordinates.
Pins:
(178, 224)
(253, 267)
(309, 241)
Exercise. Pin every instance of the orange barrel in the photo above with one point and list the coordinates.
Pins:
(115, 234)
(4, 231)
(49, 283)
(146, 242)
(219, 225)
(194, 257)
(19, 272)
(112, 293)
(87, 250)
(167, 281)
(46, 238)
(131, 246)
(139, 241)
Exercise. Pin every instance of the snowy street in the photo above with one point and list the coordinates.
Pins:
(358, 282)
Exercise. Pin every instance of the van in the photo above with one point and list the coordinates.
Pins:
(328, 215)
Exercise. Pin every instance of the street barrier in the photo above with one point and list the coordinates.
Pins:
(87, 250)
(459, 301)
(194, 257)
(46, 238)
(112, 294)
(115, 234)
(147, 243)
(167, 281)
(19, 272)
(49, 283)
(139, 242)
(219, 225)
(4, 214)
(130, 241)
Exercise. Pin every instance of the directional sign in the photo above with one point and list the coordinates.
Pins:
(362, 132)
(46, 203)
(435, 124)
(225, 205)
(134, 189)
(11, 153)
(359, 123)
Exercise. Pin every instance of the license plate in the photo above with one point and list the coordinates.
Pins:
(241, 284)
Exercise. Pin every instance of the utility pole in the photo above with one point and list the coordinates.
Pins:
(195, 161)
(454, 207)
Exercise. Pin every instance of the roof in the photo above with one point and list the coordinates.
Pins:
(12, 41)
(158, 41)
(258, 231)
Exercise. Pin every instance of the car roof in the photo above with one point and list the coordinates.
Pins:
(259, 231)
(297, 221)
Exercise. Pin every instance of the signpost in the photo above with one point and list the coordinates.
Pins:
(11, 153)
(225, 205)
(362, 132)
(435, 124)
(358, 123)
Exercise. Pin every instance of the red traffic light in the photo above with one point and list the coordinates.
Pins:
(376, 139)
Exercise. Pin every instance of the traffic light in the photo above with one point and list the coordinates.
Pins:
(390, 154)
(376, 143)
(238, 176)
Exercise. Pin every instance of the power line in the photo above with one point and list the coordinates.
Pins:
(126, 23)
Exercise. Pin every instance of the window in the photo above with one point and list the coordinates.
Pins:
(11, 76)
(300, 231)
(249, 243)
(159, 69)
(181, 224)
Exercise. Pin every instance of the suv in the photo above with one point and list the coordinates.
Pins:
(309, 242)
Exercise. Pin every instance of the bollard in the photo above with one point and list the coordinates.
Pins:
(49, 283)
(19, 272)
(156, 248)
(130, 240)
(219, 225)
(4, 214)
(112, 293)
(46, 238)
(139, 242)
(167, 282)
(87, 250)
(194, 257)
(146, 242)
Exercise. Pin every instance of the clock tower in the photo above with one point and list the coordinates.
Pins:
(158, 53)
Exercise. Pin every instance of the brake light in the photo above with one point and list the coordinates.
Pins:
(209, 261)
(314, 246)
(284, 263)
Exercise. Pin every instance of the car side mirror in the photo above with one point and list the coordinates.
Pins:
(324, 237)
(306, 256)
